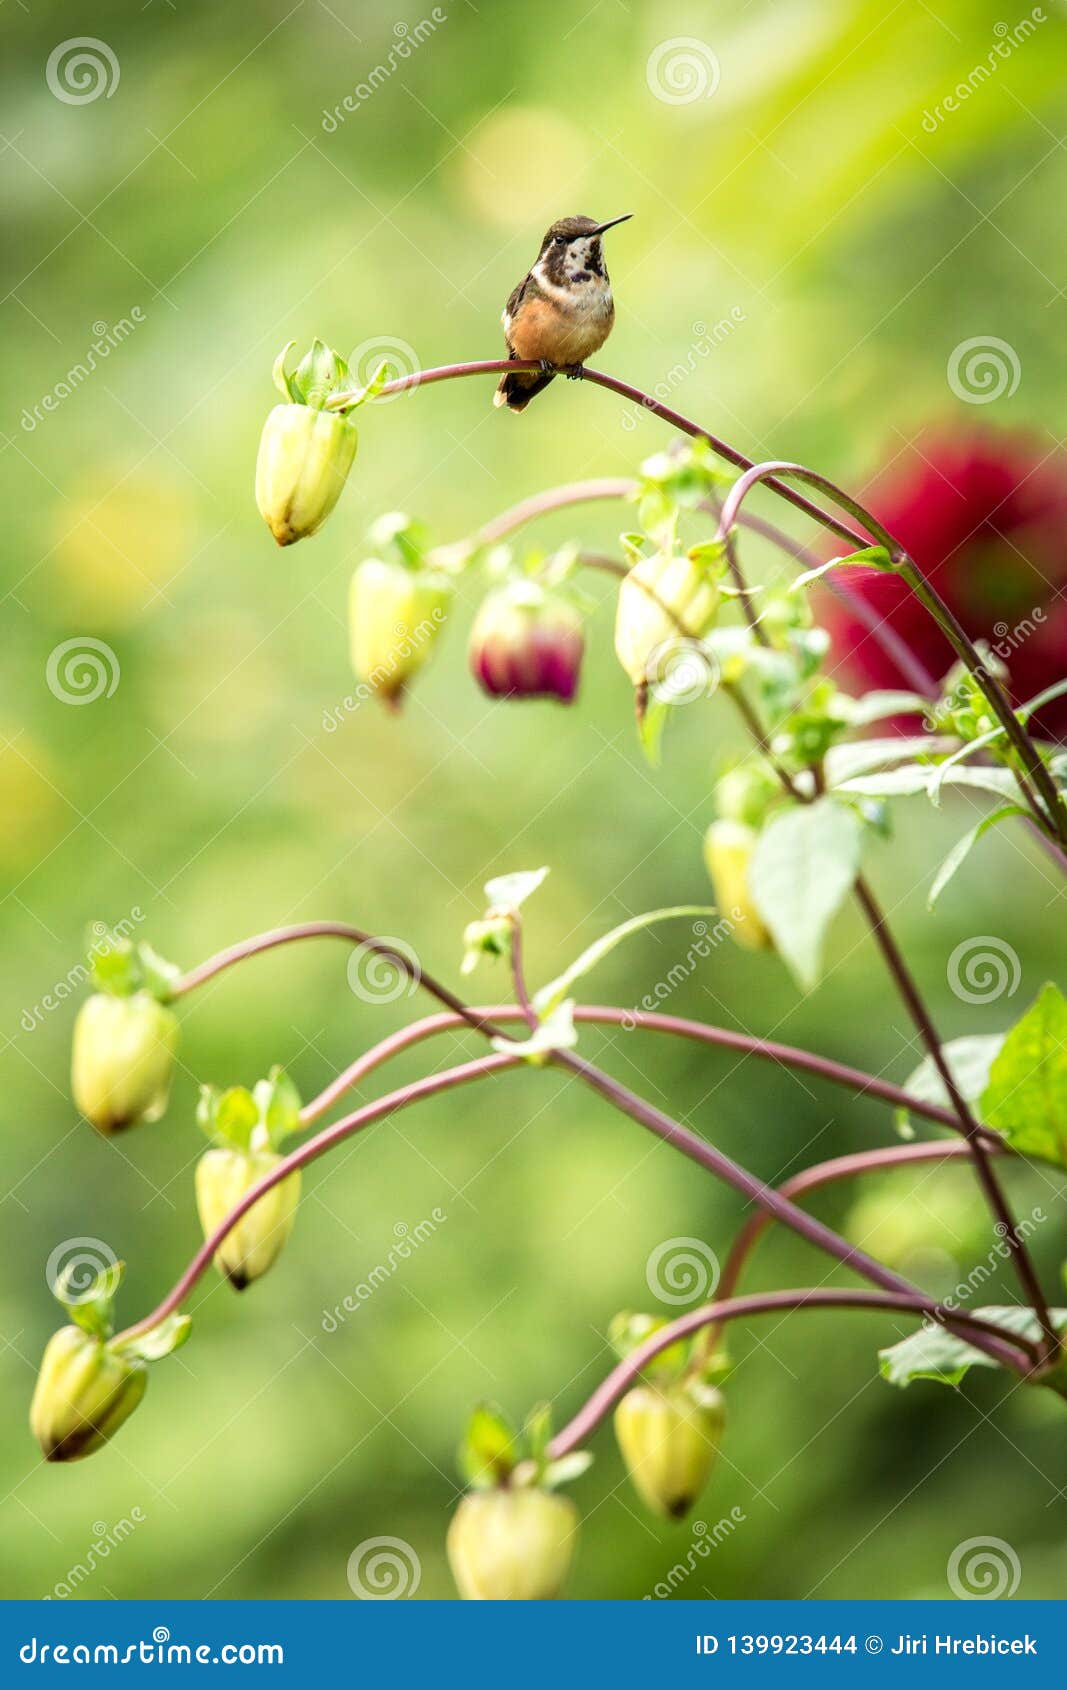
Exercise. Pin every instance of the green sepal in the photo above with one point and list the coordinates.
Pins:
(556, 1031)
(628, 1331)
(489, 1452)
(509, 891)
(92, 1309)
(228, 1117)
(568, 1467)
(320, 374)
(491, 937)
(120, 968)
(278, 1103)
(159, 1341)
(284, 382)
(406, 534)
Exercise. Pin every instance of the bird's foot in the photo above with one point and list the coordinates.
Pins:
(575, 372)
(546, 366)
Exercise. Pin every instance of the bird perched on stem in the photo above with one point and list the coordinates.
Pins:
(562, 310)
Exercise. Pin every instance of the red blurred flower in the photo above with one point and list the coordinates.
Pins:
(984, 515)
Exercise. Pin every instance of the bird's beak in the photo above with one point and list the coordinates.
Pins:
(623, 219)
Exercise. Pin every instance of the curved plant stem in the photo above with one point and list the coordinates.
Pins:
(920, 1015)
(1053, 811)
(627, 1372)
(998, 1203)
(495, 366)
(309, 1152)
(731, 1173)
(853, 1166)
(329, 930)
(552, 499)
(786, 1056)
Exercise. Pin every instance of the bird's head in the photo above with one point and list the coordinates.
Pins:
(571, 249)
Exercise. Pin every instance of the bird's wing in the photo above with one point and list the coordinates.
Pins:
(514, 301)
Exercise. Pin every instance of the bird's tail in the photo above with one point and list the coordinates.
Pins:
(518, 387)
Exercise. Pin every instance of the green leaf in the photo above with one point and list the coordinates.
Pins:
(552, 994)
(1026, 1098)
(490, 1450)
(916, 778)
(962, 848)
(858, 757)
(870, 557)
(876, 706)
(159, 1341)
(968, 1061)
(556, 1032)
(804, 864)
(934, 1353)
(508, 891)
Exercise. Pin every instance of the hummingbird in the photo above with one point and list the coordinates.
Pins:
(562, 310)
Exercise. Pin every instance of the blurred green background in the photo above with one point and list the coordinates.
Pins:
(205, 201)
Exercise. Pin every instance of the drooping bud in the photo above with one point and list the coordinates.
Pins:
(669, 1439)
(513, 1539)
(125, 1038)
(396, 608)
(308, 444)
(246, 1126)
(512, 1545)
(89, 1382)
(84, 1393)
(123, 1060)
(665, 600)
(527, 642)
(252, 1246)
(303, 464)
(728, 847)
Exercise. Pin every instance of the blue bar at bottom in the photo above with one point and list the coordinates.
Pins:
(543, 1644)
